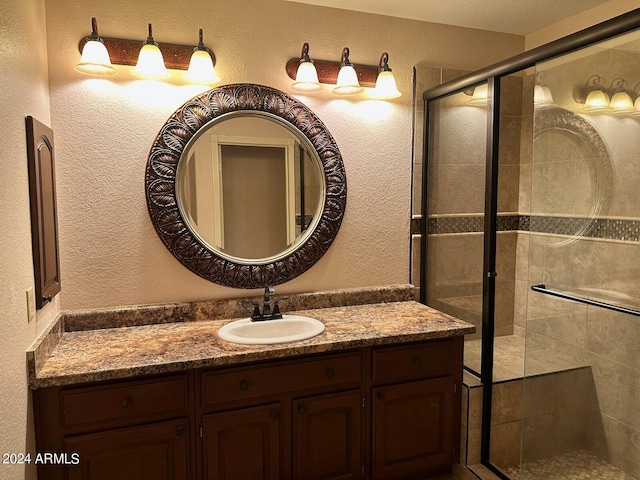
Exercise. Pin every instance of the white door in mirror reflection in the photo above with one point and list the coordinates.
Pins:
(240, 193)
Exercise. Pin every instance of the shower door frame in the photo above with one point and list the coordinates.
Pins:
(492, 76)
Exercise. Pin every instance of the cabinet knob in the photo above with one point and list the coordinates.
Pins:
(274, 414)
(127, 401)
(244, 385)
(301, 409)
(179, 429)
(329, 372)
(416, 360)
(381, 396)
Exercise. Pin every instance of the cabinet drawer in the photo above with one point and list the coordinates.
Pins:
(251, 382)
(425, 360)
(122, 400)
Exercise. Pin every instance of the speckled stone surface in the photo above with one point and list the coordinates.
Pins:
(130, 351)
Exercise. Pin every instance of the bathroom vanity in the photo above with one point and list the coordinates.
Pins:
(376, 395)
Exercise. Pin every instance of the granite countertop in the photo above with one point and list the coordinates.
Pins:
(130, 351)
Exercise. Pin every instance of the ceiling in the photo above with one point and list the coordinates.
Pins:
(519, 17)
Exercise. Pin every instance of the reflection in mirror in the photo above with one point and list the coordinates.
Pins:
(249, 187)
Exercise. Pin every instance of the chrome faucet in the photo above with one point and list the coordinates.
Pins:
(267, 312)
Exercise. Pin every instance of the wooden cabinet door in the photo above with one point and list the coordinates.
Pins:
(327, 436)
(157, 451)
(242, 444)
(412, 427)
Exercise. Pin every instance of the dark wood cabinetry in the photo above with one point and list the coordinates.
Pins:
(156, 451)
(129, 430)
(412, 428)
(291, 419)
(327, 440)
(415, 408)
(386, 412)
(242, 444)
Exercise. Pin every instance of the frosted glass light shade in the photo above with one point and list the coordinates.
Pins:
(636, 106)
(597, 101)
(201, 69)
(95, 59)
(347, 83)
(621, 103)
(480, 94)
(306, 78)
(386, 86)
(150, 62)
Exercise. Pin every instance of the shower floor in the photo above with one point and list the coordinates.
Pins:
(578, 465)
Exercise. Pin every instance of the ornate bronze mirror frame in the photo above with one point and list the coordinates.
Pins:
(176, 233)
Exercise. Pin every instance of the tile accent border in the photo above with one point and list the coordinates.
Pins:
(605, 228)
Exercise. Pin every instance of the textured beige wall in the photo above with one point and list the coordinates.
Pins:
(570, 25)
(109, 251)
(23, 91)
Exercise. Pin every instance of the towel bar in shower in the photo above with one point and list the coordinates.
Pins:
(568, 296)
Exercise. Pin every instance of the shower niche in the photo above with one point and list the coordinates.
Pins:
(527, 224)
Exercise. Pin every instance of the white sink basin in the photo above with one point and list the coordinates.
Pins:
(290, 328)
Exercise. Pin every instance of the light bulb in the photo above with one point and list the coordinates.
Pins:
(347, 83)
(201, 69)
(150, 62)
(95, 57)
(306, 78)
(386, 82)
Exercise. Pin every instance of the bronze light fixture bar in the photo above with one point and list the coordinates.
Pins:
(125, 52)
(328, 71)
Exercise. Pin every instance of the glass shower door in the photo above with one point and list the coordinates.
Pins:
(455, 198)
(581, 406)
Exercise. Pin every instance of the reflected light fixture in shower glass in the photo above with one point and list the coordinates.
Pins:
(480, 95)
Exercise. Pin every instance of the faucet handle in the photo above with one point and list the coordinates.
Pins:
(256, 315)
(275, 314)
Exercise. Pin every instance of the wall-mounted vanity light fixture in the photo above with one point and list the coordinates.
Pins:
(150, 62)
(347, 82)
(95, 57)
(306, 79)
(120, 51)
(201, 67)
(347, 78)
(386, 82)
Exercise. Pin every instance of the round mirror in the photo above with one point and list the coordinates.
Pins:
(250, 187)
(245, 186)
